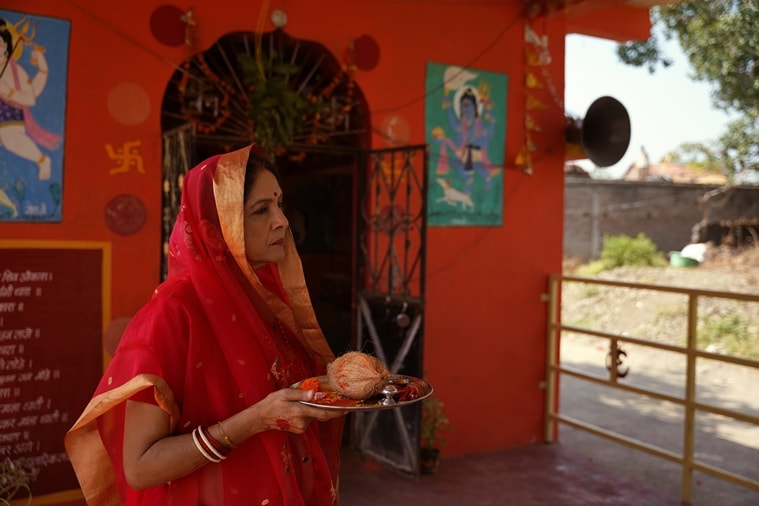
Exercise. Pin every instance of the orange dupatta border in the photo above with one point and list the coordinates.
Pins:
(85, 447)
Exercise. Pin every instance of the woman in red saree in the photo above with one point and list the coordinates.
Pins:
(194, 408)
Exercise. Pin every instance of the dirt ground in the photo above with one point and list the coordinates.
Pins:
(662, 317)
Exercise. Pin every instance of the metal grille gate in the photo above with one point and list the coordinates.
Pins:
(390, 270)
(178, 157)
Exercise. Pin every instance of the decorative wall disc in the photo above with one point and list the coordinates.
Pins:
(167, 26)
(366, 52)
(125, 214)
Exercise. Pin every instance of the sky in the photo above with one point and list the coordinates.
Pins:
(666, 108)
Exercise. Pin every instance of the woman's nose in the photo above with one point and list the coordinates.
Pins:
(280, 220)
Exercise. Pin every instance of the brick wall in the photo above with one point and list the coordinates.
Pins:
(665, 212)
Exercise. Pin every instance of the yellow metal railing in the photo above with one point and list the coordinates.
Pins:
(689, 401)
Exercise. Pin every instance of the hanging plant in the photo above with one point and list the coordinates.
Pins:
(277, 111)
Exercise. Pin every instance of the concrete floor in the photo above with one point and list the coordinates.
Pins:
(533, 475)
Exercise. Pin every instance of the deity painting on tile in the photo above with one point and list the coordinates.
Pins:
(465, 124)
(33, 70)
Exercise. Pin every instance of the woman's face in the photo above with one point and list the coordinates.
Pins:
(265, 221)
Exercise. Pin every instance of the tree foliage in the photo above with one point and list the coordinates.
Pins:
(698, 156)
(721, 41)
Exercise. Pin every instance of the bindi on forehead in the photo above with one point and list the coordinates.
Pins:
(276, 194)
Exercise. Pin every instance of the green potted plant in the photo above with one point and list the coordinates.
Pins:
(434, 420)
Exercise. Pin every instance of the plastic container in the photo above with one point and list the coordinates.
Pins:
(677, 260)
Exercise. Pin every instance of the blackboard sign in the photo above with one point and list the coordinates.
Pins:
(51, 355)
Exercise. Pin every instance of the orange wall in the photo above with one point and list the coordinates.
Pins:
(486, 324)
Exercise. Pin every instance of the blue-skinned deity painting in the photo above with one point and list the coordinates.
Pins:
(465, 121)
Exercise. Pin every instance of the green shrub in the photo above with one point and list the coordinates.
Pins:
(623, 250)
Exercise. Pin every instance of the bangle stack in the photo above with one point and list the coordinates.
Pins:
(208, 445)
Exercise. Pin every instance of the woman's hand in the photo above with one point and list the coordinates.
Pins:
(282, 410)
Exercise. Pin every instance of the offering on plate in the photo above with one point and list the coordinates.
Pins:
(357, 381)
(357, 375)
(400, 390)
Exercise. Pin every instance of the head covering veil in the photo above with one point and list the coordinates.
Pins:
(217, 336)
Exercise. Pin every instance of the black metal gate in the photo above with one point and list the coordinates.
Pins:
(178, 157)
(390, 270)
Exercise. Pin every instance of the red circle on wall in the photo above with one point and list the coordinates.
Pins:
(125, 214)
(366, 52)
(167, 26)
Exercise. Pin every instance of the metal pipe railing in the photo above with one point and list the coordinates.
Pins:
(686, 459)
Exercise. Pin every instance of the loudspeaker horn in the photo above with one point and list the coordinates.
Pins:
(602, 136)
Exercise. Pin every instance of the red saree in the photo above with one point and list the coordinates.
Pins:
(215, 338)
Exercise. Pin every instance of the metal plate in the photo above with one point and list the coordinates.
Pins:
(401, 390)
